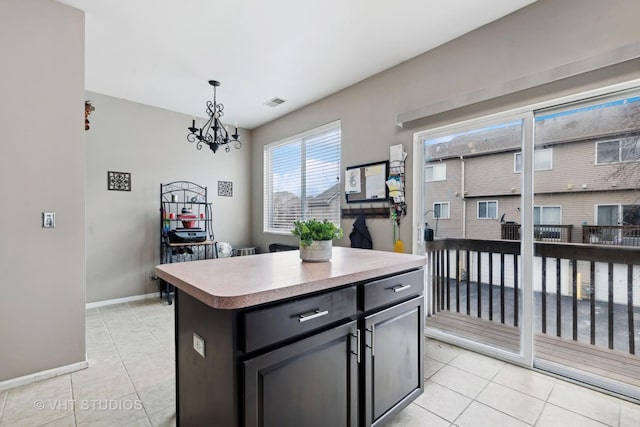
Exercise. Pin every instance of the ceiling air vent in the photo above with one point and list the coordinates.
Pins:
(274, 102)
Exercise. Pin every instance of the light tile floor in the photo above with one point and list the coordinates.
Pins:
(466, 389)
(131, 382)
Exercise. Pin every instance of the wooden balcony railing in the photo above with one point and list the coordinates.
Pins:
(542, 233)
(584, 293)
(618, 235)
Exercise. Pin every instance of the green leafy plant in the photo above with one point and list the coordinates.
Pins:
(312, 229)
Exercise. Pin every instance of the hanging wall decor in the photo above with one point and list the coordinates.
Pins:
(88, 109)
(119, 181)
(225, 188)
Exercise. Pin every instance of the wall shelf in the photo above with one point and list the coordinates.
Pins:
(370, 212)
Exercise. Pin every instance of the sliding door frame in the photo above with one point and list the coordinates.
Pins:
(525, 356)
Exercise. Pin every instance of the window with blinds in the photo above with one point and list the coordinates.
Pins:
(302, 179)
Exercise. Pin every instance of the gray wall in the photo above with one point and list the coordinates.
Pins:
(123, 227)
(42, 271)
(540, 37)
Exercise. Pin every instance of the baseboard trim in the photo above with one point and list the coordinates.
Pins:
(121, 300)
(42, 375)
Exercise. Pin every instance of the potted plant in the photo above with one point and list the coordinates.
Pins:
(316, 239)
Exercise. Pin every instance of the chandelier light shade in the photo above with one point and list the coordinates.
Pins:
(213, 133)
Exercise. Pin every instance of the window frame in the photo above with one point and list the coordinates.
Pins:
(620, 216)
(536, 169)
(433, 207)
(605, 141)
(541, 208)
(478, 209)
(620, 147)
(620, 156)
(434, 166)
(268, 177)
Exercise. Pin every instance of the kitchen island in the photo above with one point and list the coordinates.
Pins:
(267, 340)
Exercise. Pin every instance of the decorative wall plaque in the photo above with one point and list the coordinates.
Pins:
(119, 181)
(225, 188)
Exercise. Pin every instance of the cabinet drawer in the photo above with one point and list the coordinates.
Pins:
(280, 322)
(395, 288)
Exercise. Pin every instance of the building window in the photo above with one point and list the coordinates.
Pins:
(302, 179)
(547, 215)
(617, 151)
(441, 210)
(435, 172)
(543, 160)
(618, 214)
(630, 214)
(488, 210)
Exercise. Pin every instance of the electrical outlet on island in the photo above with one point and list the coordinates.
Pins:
(198, 344)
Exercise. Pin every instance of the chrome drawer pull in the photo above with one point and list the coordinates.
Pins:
(400, 288)
(313, 315)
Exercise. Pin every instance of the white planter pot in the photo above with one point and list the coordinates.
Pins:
(318, 251)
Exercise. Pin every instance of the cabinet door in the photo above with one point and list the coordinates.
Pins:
(312, 382)
(394, 372)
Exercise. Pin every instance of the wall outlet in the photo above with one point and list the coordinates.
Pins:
(198, 344)
(48, 219)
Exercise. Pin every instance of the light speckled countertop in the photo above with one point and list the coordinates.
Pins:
(240, 282)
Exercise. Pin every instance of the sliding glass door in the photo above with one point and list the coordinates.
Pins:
(471, 228)
(531, 225)
(587, 304)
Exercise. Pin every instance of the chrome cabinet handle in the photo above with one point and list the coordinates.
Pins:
(372, 331)
(313, 315)
(400, 288)
(357, 352)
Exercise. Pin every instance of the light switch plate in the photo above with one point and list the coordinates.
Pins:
(198, 344)
(48, 219)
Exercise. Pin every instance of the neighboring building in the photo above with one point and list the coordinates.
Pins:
(321, 206)
(287, 206)
(587, 171)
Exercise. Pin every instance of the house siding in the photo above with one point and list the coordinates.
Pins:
(446, 191)
(491, 175)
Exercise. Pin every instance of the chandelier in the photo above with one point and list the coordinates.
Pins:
(214, 133)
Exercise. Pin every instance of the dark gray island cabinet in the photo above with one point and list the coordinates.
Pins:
(306, 344)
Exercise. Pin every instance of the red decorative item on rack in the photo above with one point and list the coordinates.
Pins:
(188, 221)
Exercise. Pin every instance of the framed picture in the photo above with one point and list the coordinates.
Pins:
(367, 182)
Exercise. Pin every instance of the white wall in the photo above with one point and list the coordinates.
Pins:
(123, 227)
(42, 271)
(545, 35)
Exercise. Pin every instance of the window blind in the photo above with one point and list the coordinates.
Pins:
(302, 179)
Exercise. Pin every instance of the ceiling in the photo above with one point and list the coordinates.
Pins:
(163, 52)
